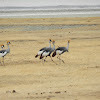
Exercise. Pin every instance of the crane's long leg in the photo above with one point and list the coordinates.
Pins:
(45, 59)
(0, 60)
(42, 60)
(3, 60)
(53, 60)
(60, 59)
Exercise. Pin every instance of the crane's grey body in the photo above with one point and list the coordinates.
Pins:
(60, 50)
(3, 53)
(43, 49)
(48, 52)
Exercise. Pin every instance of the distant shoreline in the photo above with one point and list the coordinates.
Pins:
(53, 16)
(50, 11)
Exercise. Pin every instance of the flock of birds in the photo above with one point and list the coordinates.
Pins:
(47, 51)
(42, 53)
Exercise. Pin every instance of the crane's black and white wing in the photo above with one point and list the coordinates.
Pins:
(3, 53)
(46, 52)
(60, 50)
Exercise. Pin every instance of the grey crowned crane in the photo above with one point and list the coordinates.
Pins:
(47, 52)
(41, 50)
(61, 50)
(2, 46)
(5, 52)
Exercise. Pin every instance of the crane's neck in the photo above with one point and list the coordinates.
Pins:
(8, 45)
(8, 50)
(49, 44)
(53, 46)
(67, 46)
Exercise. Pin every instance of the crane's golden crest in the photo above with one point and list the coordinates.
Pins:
(69, 41)
(53, 41)
(8, 41)
(2, 45)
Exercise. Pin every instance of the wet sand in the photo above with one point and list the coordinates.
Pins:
(77, 79)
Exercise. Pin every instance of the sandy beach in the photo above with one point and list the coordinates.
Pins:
(24, 77)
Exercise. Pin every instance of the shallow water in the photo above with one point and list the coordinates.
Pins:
(41, 27)
(47, 12)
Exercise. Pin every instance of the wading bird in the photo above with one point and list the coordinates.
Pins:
(41, 50)
(2, 46)
(47, 52)
(5, 52)
(61, 50)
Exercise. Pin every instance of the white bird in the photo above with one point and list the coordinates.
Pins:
(41, 50)
(5, 52)
(61, 50)
(47, 52)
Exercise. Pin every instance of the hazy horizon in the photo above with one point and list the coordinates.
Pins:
(37, 3)
(53, 6)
